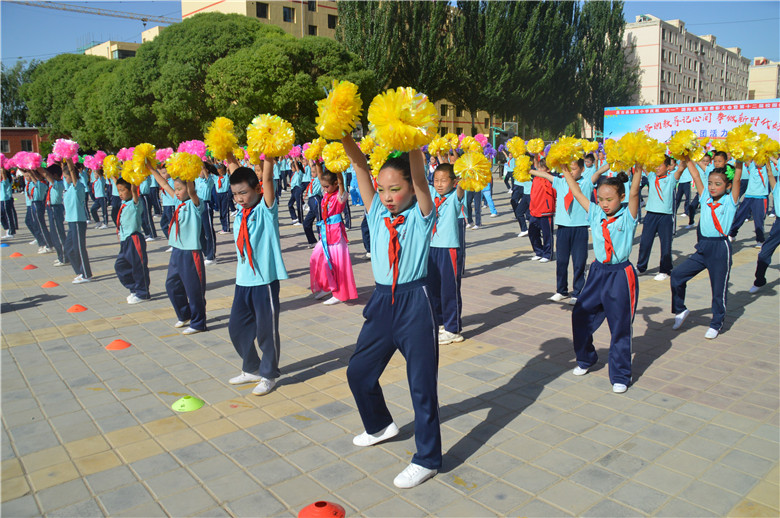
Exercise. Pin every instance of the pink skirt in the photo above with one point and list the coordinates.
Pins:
(340, 280)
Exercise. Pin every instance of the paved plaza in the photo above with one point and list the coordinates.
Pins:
(90, 432)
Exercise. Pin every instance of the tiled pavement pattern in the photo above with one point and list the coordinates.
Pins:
(90, 432)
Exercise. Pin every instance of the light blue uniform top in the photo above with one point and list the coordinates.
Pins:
(725, 214)
(414, 237)
(40, 190)
(73, 199)
(296, 179)
(263, 228)
(168, 200)
(590, 171)
(6, 191)
(277, 170)
(685, 177)
(203, 187)
(660, 203)
(316, 188)
(114, 190)
(222, 184)
(187, 237)
(84, 178)
(146, 185)
(447, 233)
(55, 194)
(510, 165)
(576, 216)
(28, 191)
(747, 170)
(307, 174)
(621, 233)
(776, 193)
(99, 186)
(758, 183)
(129, 219)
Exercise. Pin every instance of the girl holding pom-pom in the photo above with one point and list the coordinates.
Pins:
(611, 289)
(330, 266)
(713, 251)
(9, 219)
(398, 315)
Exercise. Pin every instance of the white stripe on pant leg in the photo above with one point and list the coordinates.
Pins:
(725, 282)
(78, 244)
(40, 216)
(277, 347)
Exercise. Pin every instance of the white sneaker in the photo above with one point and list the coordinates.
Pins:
(619, 388)
(233, 214)
(78, 278)
(494, 215)
(263, 387)
(59, 263)
(169, 249)
(772, 215)
(33, 242)
(579, 371)
(544, 260)
(754, 289)
(96, 227)
(331, 301)
(321, 295)
(445, 337)
(150, 238)
(558, 297)
(367, 439)
(294, 221)
(535, 258)
(181, 323)
(441, 328)
(475, 227)
(134, 299)
(44, 250)
(711, 334)
(102, 227)
(680, 318)
(368, 255)
(412, 476)
(661, 277)
(209, 262)
(296, 224)
(81, 280)
(191, 331)
(223, 232)
(468, 225)
(689, 227)
(129, 296)
(758, 245)
(245, 377)
(523, 233)
(572, 301)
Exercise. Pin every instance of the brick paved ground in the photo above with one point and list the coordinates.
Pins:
(90, 432)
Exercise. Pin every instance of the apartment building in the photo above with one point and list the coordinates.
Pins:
(764, 79)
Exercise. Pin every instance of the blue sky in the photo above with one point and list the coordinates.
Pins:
(752, 26)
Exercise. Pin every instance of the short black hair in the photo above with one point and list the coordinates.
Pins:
(329, 176)
(448, 168)
(244, 175)
(590, 156)
(122, 181)
(210, 168)
(581, 163)
(55, 170)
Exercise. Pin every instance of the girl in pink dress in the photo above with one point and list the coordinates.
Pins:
(330, 266)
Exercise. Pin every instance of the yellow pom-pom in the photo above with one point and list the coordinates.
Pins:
(238, 152)
(339, 111)
(452, 140)
(335, 157)
(270, 135)
(473, 170)
(767, 148)
(403, 119)
(535, 146)
(522, 169)
(516, 147)
(367, 144)
(110, 166)
(650, 152)
(590, 146)
(609, 144)
(470, 145)
(563, 152)
(438, 146)
(314, 151)
(742, 142)
(720, 145)
(378, 159)
(128, 173)
(220, 138)
(184, 166)
(141, 154)
(254, 156)
(685, 145)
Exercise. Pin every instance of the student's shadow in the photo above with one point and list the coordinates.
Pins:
(499, 314)
(735, 306)
(656, 341)
(28, 302)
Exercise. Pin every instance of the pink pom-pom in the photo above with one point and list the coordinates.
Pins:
(10, 163)
(163, 154)
(66, 148)
(125, 154)
(26, 160)
(461, 137)
(52, 159)
(194, 147)
(89, 161)
(246, 155)
(100, 156)
(3, 161)
(481, 138)
(295, 152)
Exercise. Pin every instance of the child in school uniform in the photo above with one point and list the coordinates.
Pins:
(98, 186)
(208, 237)
(659, 219)
(330, 267)
(75, 247)
(445, 262)
(754, 203)
(398, 315)
(7, 210)
(28, 187)
(116, 201)
(146, 209)
(521, 195)
(611, 290)
(38, 188)
(186, 279)
(572, 221)
(131, 264)
(56, 211)
(255, 311)
(314, 200)
(168, 203)
(222, 188)
(296, 195)
(713, 251)
(541, 208)
(772, 241)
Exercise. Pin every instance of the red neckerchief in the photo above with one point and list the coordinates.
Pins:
(325, 201)
(219, 182)
(567, 200)
(242, 242)
(174, 220)
(607, 239)
(439, 201)
(713, 206)
(119, 219)
(48, 195)
(394, 249)
(658, 187)
(30, 193)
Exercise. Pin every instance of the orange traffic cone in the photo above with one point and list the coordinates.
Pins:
(49, 284)
(16, 254)
(322, 509)
(117, 345)
(30, 267)
(76, 308)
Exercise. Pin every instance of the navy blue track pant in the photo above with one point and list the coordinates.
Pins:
(755, 207)
(29, 220)
(208, 237)
(765, 255)
(76, 248)
(683, 189)
(407, 326)
(366, 235)
(663, 226)
(186, 286)
(223, 205)
(611, 291)
(445, 266)
(519, 204)
(313, 215)
(39, 213)
(100, 203)
(295, 205)
(154, 193)
(540, 234)
(116, 202)
(714, 255)
(572, 241)
(9, 219)
(147, 222)
(131, 265)
(165, 218)
(255, 316)
(56, 214)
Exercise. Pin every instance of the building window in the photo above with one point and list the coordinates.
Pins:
(443, 110)
(288, 14)
(458, 131)
(261, 10)
(442, 131)
(312, 30)
(332, 19)
(27, 145)
(487, 122)
(4, 147)
(122, 54)
(459, 112)
(312, 4)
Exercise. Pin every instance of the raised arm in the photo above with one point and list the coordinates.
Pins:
(161, 181)
(420, 182)
(193, 192)
(772, 180)
(574, 187)
(633, 195)
(71, 171)
(542, 174)
(735, 181)
(362, 171)
(600, 171)
(232, 162)
(269, 193)
(680, 168)
(697, 181)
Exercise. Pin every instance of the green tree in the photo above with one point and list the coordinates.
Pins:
(606, 77)
(13, 79)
